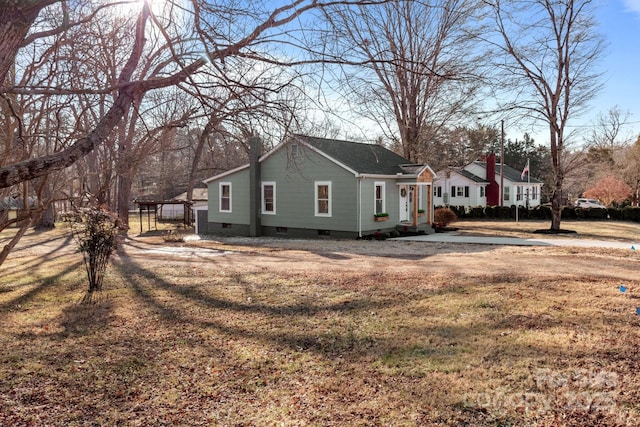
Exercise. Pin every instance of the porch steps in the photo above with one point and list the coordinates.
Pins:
(408, 229)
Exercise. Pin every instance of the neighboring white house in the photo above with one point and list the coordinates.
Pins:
(473, 185)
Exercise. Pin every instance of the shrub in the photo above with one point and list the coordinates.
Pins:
(477, 212)
(96, 231)
(569, 212)
(631, 213)
(444, 216)
(173, 236)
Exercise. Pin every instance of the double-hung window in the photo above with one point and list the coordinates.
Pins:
(225, 197)
(269, 198)
(379, 198)
(322, 198)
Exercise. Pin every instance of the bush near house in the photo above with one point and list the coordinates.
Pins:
(444, 216)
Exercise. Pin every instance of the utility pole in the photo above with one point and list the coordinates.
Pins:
(502, 162)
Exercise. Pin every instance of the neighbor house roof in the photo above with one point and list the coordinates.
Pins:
(472, 176)
(199, 194)
(363, 158)
(510, 173)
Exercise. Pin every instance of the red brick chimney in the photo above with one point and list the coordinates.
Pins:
(493, 189)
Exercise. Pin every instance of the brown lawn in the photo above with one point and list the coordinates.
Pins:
(320, 333)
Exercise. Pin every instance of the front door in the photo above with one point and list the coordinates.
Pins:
(406, 203)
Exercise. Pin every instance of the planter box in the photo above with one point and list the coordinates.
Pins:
(380, 218)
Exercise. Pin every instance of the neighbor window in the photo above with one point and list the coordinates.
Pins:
(225, 197)
(506, 194)
(268, 197)
(482, 191)
(437, 191)
(534, 193)
(460, 191)
(379, 198)
(519, 192)
(323, 198)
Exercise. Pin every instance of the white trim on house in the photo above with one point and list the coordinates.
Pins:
(220, 192)
(383, 198)
(316, 200)
(264, 199)
(223, 174)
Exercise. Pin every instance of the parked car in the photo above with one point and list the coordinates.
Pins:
(589, 203)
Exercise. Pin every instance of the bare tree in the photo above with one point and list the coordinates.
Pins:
(548, 50)
(416, 66)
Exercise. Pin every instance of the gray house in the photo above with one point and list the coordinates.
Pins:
(309, 187)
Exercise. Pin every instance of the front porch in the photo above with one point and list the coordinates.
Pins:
(408, 228)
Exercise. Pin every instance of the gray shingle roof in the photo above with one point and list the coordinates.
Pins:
(363, 158)
(511, 174)
(471, 176)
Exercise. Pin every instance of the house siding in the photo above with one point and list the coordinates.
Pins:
(239, 199)
(295, 192)
(391, 194)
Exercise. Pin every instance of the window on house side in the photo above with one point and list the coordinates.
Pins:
(323, 198)
(482, 191)
(506, 194)
(269, 197)
(225, 197)
(379, 198)
(459, 191)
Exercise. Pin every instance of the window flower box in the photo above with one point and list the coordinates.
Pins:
(380, 217)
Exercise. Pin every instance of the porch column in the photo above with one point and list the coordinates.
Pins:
(429, 203)
(415, 205)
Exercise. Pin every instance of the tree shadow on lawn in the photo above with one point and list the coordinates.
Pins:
(306, 320)
(45, 285)
(32, 261)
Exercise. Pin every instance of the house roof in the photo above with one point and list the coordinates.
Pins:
(363, 158)
(471, 176)
(510, 173)
(359, 158)
(198, 194)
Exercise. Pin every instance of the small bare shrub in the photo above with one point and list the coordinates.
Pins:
(95, 230)
(173, 236)
(444, 216)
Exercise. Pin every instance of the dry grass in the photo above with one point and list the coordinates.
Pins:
(320, 333)
(599, 230)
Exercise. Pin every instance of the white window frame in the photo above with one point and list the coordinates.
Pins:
(316, 184)
(222, 184)
(506, 195)
(264, 202)
(383, 189)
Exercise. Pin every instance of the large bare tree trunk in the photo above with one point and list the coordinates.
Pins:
(16, 18)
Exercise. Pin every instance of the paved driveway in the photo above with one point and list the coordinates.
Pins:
(515, 241)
